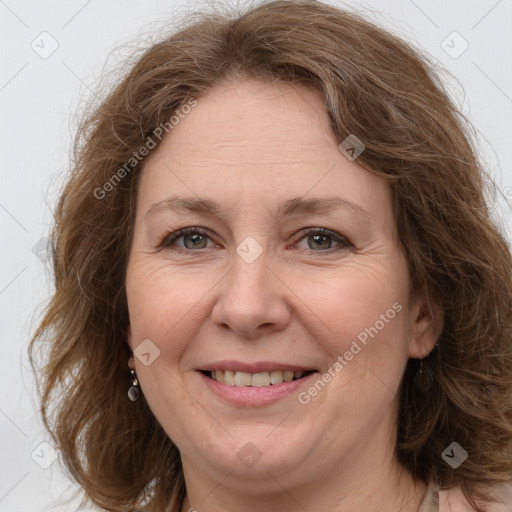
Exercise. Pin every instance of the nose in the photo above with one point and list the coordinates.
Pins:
(252, 300)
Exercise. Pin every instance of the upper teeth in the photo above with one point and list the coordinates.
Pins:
(254, 379)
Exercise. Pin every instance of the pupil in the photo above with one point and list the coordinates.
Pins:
(318, 240)
(195, 239)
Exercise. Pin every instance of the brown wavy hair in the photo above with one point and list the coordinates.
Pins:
(375, 86)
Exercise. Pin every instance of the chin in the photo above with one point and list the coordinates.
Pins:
(253, 455)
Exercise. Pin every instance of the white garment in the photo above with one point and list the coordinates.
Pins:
(430, 503)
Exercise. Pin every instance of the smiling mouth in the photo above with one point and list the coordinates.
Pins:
(261, 379)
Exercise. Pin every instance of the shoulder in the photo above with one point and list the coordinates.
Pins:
(453, 500)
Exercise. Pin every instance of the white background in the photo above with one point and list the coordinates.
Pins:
(39, 98)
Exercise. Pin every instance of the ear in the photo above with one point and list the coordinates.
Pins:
(427, 321)
(129, 339)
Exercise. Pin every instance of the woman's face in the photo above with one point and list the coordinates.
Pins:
(291, 264)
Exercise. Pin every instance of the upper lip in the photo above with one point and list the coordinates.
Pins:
(256, 367)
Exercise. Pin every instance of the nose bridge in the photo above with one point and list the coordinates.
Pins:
(251, 297)
(250, 275)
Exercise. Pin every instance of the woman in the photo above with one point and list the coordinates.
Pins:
(275, 241)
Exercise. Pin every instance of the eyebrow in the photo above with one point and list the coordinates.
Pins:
(296, 205)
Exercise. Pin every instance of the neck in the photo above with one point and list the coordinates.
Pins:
(368, 482)
(406, 498)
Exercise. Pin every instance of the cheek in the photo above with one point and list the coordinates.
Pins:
(354, 298)
(163, 307)
(363, 313)
(162, 302)
(153, 314)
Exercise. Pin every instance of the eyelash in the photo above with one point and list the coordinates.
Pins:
(169, 238)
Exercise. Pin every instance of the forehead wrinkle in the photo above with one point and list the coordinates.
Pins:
(294, 206)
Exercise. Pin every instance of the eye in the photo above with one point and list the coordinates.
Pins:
(193, 238)
(322, 239)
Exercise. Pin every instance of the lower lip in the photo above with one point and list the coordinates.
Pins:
(253, 396)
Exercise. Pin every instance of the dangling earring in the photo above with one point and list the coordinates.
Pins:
(424, 378)
(134, 390)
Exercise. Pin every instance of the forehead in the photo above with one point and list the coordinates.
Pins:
(256, 141)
